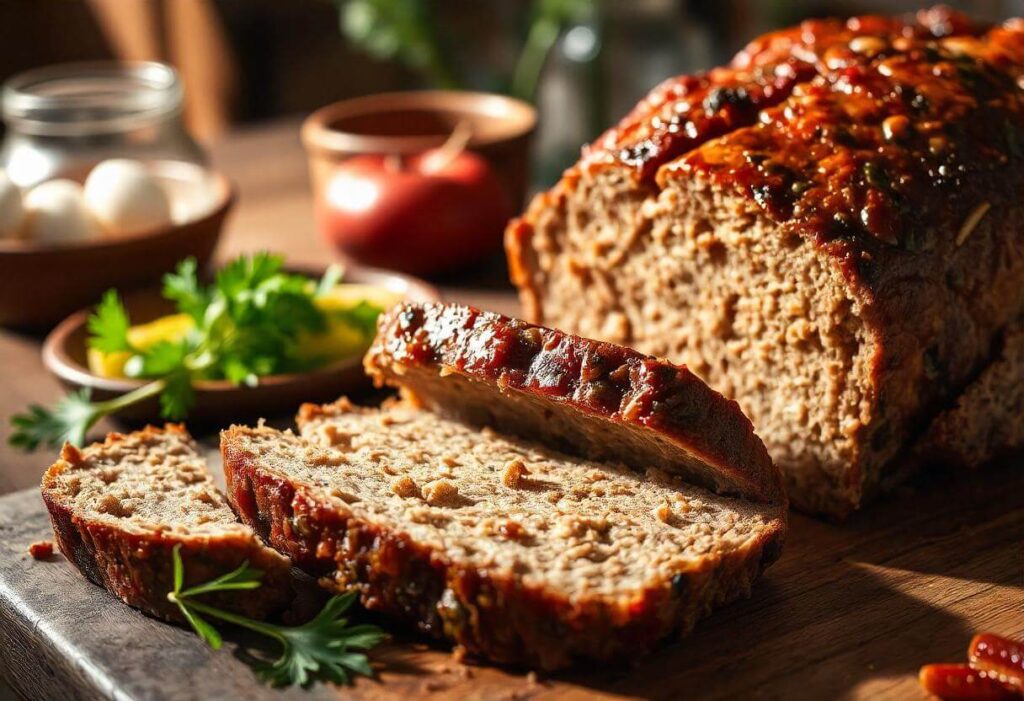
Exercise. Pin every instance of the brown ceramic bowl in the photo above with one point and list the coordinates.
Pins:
(407, 123)
(42, 283)
(219, 402)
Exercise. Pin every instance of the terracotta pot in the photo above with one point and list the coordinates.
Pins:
(407, 123)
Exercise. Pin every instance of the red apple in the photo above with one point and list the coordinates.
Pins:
(421, 214)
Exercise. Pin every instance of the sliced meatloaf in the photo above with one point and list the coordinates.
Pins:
(827, 230)
(517, 552)
(119, 508)
(589, 398)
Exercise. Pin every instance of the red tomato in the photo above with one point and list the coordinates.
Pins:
(421, 214)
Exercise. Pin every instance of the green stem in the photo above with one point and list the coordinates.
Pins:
(267, 629)
(541, 38)
(125, 400)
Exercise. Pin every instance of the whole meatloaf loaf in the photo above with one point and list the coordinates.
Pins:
(828, 230)
(519, 550)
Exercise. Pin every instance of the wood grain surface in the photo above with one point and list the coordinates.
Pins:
(850, 611)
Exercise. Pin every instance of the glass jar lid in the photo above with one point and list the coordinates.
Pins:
(79, 99)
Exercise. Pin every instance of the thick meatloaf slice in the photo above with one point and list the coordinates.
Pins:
(589, 398)
(517, 552)
(119, 508)
(842, 259)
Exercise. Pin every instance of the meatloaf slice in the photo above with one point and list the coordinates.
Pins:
(517, 552)
(843, 265)
(118, 509)
(589, 398)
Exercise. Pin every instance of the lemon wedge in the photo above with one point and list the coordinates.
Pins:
(341, 339)
(348, 295)
(142, 336)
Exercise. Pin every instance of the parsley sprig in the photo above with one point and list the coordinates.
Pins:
(247, 324)
(326, 647)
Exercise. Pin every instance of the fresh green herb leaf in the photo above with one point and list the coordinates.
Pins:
(108, 325)
(242, 275)
(178, 395)
(68, 420)
(182, 287)
(71, 418)
(201, 626)
(179, 569)
(243, 577)
(248, 324)
(162, 358)
(324, 648)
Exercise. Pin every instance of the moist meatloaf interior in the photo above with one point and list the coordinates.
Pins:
(530, 416)
(499, 504)
(121, 507)
(146, 481)
(699, 276)
(765, 225)
(581, 396)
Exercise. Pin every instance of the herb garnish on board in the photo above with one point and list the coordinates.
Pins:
(246, 325)
(326, 647)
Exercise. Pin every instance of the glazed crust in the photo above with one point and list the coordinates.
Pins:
(137, 567)
(893, 146)
(644, 412)
(685, 112)
(494, 617)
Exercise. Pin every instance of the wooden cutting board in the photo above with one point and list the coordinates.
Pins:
(850, 611)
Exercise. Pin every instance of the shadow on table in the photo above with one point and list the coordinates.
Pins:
(949, 522)
(819, 641)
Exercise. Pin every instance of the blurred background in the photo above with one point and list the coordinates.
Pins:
(584, 63)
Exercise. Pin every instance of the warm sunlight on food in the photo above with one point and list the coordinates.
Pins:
(172, 328)
(553, 349)
(351, 310)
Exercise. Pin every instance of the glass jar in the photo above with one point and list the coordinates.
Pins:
(63, 119)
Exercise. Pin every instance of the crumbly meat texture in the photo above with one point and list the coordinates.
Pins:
(987, 421)
(119, 508)
(516, 552)
(842, 259)
(595, 399)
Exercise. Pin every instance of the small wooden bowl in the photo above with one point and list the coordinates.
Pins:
(42, 283)
(408, 123)
(219, 402)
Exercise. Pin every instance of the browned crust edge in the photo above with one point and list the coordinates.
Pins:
(600, 380)
(138, 568)
(494, 617)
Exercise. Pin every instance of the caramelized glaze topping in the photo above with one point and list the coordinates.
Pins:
(684, 112)
(863, 148)
(845, 129)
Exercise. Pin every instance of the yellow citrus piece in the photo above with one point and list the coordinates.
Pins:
(107, 364)
(342, 340)
(348, 295)
(339, 341)
(167, 328)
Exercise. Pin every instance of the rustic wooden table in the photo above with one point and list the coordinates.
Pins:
(850, 611)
